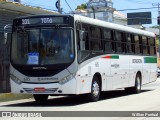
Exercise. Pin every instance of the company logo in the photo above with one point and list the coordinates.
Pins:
(21, 114)
(115, 65)
(136, 61)
(39, 68)
(6, 114)
(41, 79)
(27, 79)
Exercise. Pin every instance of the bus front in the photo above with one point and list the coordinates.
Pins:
(43, 56)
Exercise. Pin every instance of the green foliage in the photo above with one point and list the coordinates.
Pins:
(155, 27)
(82, 6)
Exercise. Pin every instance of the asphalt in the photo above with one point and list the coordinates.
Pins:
(4, 97)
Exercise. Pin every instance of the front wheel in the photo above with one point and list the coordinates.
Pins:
(95, 90)
(40, 98)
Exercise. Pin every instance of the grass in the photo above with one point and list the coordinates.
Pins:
(4, 97)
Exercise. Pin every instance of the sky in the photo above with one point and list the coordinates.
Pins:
(117, 4)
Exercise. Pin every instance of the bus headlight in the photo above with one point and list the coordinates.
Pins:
(15, 79)
(66, 79)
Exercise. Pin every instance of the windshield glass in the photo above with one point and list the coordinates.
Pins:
(42, 46)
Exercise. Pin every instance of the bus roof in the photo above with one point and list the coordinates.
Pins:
(101, 23)
(112, 26)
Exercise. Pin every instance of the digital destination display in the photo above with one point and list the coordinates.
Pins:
(42, 21)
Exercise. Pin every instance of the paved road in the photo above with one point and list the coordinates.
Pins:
(148, 100)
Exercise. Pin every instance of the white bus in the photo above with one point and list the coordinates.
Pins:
(73, 55)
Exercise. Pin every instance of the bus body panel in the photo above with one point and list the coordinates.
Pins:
(117, 70)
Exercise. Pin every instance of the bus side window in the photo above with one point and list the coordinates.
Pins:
(152, 46)
(137, 45)
(133, 43)
(118, 39)
(82, 38)
(128, 43)
(95, 38)
(107, 40)
(124, 42)
(144, 45)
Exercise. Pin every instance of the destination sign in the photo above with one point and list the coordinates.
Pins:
(43, 21)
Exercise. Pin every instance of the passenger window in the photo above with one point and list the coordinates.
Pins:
(118, 40)
(95, 39)
(107, 40)
(137, 45)
(129, 45)
(145, 45)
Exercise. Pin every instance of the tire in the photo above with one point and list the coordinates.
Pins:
(95, 90)
(137, 87)
(40, 98)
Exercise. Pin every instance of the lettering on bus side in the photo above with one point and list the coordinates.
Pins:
(46, 20)
(25, 21)
(41, 79)
(136, 61)
(115, 65)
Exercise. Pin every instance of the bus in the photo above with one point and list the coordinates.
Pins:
(74, 55)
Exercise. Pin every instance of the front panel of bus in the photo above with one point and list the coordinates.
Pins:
(43, 54)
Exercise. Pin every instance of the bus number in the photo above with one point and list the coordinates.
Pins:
(46, 20)
(25, 21)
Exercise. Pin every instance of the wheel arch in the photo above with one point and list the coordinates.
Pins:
(98, 75)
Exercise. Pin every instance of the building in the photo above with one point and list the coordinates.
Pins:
(10, 9)
(98, 9)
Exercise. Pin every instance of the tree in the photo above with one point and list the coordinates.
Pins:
(82, 6)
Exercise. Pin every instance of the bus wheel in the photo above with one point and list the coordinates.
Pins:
(137, 86)
(40, 98)
(95, 90)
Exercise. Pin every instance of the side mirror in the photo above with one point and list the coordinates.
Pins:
(7, 29)
(5, 38)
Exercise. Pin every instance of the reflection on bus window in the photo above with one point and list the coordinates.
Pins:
(45, 46)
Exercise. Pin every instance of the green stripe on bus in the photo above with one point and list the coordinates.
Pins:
(150, 60)
(115, 57)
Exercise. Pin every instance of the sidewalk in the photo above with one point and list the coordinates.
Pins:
(4, 97)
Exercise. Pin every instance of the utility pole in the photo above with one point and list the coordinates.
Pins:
(158, 4)
(58, 6)
(94, 14)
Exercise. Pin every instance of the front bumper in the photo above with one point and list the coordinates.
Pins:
(46, 88)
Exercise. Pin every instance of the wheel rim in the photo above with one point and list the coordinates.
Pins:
(138, 83)
(95, 89)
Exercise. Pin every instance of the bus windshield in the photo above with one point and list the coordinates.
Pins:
(42, 46)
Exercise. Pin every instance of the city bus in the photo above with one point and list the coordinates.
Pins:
(74, 55)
